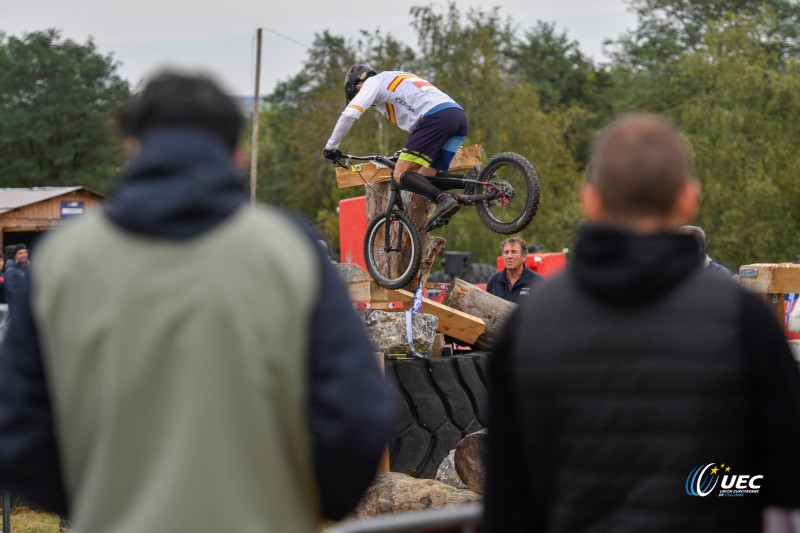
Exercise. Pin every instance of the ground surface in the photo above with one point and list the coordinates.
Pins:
(25, 520)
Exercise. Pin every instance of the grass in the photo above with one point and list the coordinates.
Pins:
(27, 520)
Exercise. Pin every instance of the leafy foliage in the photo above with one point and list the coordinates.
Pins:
(738, 107)
(669, 28)
(503, 110)
(56, 99)
(725, 71)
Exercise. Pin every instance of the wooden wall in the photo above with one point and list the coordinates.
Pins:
(45, 214)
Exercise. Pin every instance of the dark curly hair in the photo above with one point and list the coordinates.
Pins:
(173, 99)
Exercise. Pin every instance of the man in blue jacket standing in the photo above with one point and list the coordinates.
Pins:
(516, 281)
(16, 273)
(142, 391)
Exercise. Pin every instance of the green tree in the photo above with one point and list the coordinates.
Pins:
(558, 68)
(668, 28)
(299, 116)
(569, 83)
(737, 101)
(56, 103)
(469, 56)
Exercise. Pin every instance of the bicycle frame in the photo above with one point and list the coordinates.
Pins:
(490, 188)
(443, 180)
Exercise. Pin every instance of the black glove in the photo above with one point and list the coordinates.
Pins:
(332, 154)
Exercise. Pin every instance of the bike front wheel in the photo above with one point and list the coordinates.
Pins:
(513, 209)
(393, 265)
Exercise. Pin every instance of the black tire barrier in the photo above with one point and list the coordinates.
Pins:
(439, 401)
(480, 273)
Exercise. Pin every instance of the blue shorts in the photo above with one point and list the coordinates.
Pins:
(436, 138)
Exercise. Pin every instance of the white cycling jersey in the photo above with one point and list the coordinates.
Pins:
(402, 97)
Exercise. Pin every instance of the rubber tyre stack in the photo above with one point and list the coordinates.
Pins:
(439, 401)
(480, 273)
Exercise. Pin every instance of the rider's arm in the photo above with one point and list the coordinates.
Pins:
(362, 101)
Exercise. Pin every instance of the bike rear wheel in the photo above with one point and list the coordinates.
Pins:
(396, 267)
(518, 202)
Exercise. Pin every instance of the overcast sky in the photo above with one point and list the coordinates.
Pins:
(219, 35)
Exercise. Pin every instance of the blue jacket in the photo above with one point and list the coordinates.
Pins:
(14, 277)
(499, 285)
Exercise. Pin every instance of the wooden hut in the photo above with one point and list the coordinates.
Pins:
(25, 213)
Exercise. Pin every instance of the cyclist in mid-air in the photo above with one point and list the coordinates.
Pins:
(438, 126)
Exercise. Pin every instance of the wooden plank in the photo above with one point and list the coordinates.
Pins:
(358, 291)
(772, 280)
(383, 306)
(767, 278)
(383, 465)
(366, 173)
(361, 174)
(378, 293)
(357, 281)
(461, 326)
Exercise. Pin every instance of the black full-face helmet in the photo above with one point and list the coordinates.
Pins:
(356, 75)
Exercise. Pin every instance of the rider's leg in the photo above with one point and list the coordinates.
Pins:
(416, 182)
(410, 177)
(430, 147)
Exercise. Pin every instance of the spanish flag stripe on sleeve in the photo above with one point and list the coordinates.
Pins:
(390, 112)
(397, 81)
(356, 107)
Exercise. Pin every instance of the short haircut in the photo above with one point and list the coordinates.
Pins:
(172, 99)
(639, 165)
(516, 240)
(697, 232)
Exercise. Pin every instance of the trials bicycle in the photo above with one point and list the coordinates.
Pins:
(505, 191)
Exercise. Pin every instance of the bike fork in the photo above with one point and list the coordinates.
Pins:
(394, 199)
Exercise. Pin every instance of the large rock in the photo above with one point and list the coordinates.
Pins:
(393, 492)
(387, 331)
(447, 472)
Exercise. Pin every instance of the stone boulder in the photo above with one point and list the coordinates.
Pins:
(387, 331)
(447, 472)
(393, 492)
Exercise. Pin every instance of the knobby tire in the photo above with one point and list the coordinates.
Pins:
(512, 167)
(381, 263)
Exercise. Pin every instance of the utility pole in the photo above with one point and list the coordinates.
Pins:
(256, 108)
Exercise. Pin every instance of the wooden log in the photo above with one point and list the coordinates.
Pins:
(472, 300)
(466, 329)
(469, 461)
(438, 345)
(433, 247)
(369, 173)
(418, 208)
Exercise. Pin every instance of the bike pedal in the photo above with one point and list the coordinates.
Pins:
(442, 222)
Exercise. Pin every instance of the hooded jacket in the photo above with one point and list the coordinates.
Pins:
(624, 374)
(141, 390)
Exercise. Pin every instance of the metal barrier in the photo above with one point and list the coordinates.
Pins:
(3, 319)
(457, 519)
(6, 513)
